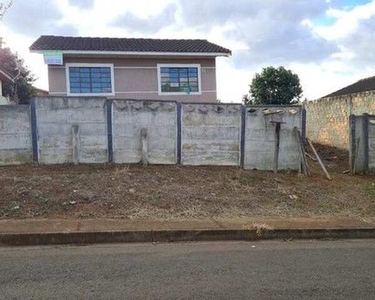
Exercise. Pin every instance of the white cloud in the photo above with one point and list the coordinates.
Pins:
(347, 21)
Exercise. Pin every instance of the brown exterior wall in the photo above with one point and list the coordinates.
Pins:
(328, 118)
(132, 82)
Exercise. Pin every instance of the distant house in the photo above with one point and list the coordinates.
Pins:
(363, 85)
(4, 77)
(157, 69)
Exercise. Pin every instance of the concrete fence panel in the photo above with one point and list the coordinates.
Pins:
(210, 134)
(362, 144)
(56, 130)
(15, 135)
(371, 144)
(159, 118)
(71, 130)
(260, 137)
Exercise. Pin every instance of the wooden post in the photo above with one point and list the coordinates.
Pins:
(144, 146)
(318, 159)
(75, 143)
(301, 150)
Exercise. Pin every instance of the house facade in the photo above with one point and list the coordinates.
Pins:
(182, 70)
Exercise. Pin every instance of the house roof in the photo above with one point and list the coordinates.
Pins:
(69, 44)
(5, 76)
(363, 85)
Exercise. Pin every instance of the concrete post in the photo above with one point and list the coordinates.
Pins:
(352, 142)
(179, 131)
(75, 143)
(34, 131)
(109, 104)
(242, 138)
(144, 146)
(366, 149)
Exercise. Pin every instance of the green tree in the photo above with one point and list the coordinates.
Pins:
(22, 90)
(275, 86)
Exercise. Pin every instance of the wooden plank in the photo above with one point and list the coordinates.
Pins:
(310, 156)
(319, 160)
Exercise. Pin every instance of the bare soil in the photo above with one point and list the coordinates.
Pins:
(181, 192)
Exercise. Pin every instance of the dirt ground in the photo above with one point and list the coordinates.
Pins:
(180, 192)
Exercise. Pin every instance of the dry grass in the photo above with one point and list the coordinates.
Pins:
(173, 192)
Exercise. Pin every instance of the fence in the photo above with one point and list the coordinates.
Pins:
(362, 144)
(56, 130)
(328, 118)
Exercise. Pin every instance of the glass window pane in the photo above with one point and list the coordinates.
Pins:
(106, 90)
(182, 79)
(90, 80)
(85, 75)
(75, 84)
(75, 79)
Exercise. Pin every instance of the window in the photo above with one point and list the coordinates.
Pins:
(90, 79)
(179, 79)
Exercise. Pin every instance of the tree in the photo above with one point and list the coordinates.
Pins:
(22, 90)
(275, 86)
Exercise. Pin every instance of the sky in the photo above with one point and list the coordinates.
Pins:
(328, 43)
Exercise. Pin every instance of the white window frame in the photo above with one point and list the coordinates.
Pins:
(68, 65)
(198, 66)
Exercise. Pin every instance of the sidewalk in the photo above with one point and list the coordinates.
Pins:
(46, 231)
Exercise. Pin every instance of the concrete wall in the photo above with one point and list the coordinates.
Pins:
(260, 137)
(328, 118)
(97, 130)
(211, 134)
(160, 120)
(371, 143)
(362, 144)
(56, 120)
(137, 78)
(4, 100)
(15, 135)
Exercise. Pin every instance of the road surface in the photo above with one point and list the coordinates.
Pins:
(220, 270)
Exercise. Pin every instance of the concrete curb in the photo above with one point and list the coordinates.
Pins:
(26, 239)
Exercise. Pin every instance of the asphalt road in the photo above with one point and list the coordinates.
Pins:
(222, 270)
